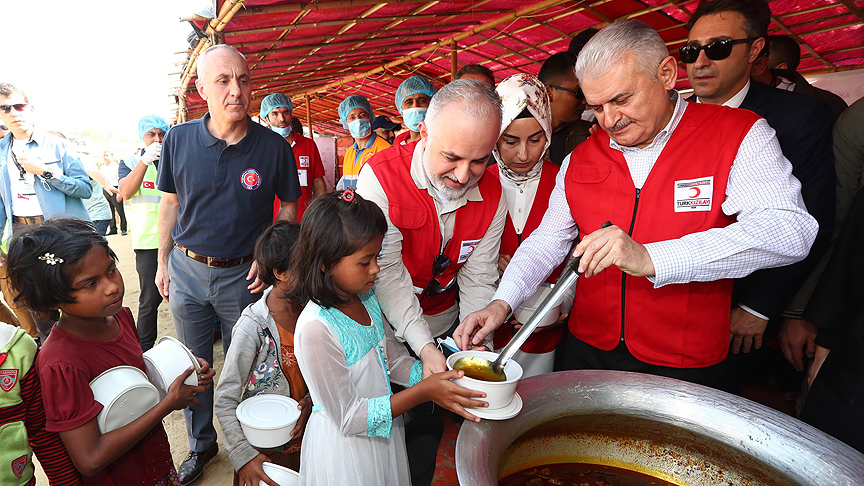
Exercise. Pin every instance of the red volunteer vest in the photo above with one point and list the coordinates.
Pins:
(542, 340)
(412, 210)
(678, 325)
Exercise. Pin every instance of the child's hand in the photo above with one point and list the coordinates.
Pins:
(305, 406)
(451, 396)
(253, 472)
(205, 374)
(180, 394)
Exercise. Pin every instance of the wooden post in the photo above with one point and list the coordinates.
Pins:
(308, 116)
(453, 65)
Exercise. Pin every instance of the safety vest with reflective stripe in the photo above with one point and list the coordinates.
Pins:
(143, 213)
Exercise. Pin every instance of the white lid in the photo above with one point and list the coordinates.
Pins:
(185, 349)
(268, 411)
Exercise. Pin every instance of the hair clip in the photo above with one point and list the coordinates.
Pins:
(50, 259)
(348, 195)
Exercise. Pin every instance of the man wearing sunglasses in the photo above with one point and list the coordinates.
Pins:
(726, 38)
(439, 258)
(40, 178)
(567, 104)
(696, 194)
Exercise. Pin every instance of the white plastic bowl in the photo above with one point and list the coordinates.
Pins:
(498, 393)
(267, 419)
(168, 360)
(282, 475)
(527, 309)
(125, 395)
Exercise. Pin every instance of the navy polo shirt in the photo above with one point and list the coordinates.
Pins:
(226, 192)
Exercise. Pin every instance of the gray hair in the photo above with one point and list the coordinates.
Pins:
(477, 99)
(202, 58)
(615, 42)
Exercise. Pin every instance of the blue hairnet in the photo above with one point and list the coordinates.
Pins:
(273, 101)
(149, 122)
(414, 85)
(351, 102)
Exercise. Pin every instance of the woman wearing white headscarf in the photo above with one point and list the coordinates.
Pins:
(527, 177)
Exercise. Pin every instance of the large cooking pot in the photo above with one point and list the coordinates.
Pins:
(669, 429)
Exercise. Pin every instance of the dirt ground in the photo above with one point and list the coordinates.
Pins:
(219, 470)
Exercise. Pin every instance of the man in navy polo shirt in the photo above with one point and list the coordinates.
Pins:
(219, 176)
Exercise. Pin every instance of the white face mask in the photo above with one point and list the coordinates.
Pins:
(360, 128)
(282, 131)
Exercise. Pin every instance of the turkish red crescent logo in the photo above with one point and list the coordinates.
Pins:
(18, 465)
(250, 179)
(695, 194)
(148, 185)
(8, 378)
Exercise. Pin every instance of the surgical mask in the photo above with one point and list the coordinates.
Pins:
(282, 131)
(360, 128)
(412, 118)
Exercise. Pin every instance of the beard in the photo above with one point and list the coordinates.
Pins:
(442, 187)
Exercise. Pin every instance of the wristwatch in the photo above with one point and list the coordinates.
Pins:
(47, 175)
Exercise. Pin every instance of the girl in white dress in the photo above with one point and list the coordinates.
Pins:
(348, 354)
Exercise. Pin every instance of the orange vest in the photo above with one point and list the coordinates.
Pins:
(677, 325)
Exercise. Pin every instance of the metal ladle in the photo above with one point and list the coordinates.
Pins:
(483, 369)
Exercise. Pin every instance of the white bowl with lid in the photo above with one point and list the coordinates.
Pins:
(499, 394)
(125, 394)
(281, 475)
(267, 419)
(168, 360)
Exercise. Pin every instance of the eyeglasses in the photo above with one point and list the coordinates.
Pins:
(577, 92)
(17, 106)
(439, 265)
(717, 50)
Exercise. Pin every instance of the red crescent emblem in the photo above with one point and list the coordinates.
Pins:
(696, 194)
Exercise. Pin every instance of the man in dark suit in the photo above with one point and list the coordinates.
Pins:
(726, 37)
(779, 68)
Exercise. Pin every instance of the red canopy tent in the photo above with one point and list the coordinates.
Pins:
(320, 52)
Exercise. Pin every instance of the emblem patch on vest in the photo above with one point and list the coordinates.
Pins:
(694, 195)
(18, 466)
(467, 248)
(250, 179)
(304, 161)
(148, 185)
(8, 378)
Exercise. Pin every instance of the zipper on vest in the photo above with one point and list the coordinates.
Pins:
(624, 275)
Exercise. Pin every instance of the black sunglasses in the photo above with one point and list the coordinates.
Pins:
(17, 106)
(717, 50)
(439, 265)
(577, 92)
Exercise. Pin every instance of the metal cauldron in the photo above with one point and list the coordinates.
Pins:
(676, 431)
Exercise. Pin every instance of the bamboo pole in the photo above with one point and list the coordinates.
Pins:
(480, 28)
(308, 116)
(453, 64)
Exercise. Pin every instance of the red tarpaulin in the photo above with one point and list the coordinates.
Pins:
(331, 49)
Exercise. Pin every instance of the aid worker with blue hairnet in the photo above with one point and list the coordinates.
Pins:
(356, 116)
(412, 100)
(137, 184)
(277, 112)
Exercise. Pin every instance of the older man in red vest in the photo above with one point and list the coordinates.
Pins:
(697, 194)
(445, 221)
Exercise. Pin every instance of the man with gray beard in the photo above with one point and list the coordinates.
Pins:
(449, 219)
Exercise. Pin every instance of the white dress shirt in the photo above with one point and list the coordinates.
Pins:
(772, 229)
(477, 278)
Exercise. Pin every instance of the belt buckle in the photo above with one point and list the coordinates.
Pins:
(209, 261)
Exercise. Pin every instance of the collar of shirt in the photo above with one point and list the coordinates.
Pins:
(418, 174)
(243, 145)
(368, 143)
(735, 101)
(37, 137)
(661, 138)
